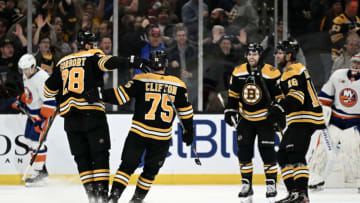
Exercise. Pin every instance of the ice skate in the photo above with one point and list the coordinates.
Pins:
(270, 190)
(301, 198)
(38, 178)
(290, 198)
(246, 192)
(318, 186)
(114, 195)
(136, 200)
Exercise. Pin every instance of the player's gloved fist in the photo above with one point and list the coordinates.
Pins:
(276, 114)
(39, 123)
(188, 137)
(17, 103)
(137, 62)
(231, 116)
(93, 95)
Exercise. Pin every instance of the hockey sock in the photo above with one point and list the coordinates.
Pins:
(246, 170)
(271, 171)
(288, 177)
(142, 187)
(121, 180)
(301, 177)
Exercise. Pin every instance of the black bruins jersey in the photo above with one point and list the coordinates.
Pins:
(76, 73)
(341, 25)
(246, 91)
(154, 114)
(301, 103)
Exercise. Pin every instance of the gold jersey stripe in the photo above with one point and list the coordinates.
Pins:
(150, 136)
(151, 128)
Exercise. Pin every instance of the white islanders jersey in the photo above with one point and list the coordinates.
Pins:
(33, 88)
(342, 94)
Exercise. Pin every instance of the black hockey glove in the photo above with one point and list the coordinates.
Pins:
(93, 95)
(188, 137)
(138, 62)
(276, 114)
(231, 116)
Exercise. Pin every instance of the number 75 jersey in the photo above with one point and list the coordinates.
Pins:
(303, 105)
(156, 96)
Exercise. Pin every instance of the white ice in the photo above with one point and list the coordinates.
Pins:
(56, 192)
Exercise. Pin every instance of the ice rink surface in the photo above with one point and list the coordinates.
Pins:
(61, 193)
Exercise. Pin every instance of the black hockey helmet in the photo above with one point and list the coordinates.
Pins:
(253, 47)
(84, 38)
(288, 46)
(158, 60)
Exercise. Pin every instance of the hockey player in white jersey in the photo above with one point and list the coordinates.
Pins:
(40, 110)
(341, 93)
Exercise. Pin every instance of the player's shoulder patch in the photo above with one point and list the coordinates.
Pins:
(240, 70)
(270, 72)
(293, 70)
(340, 19)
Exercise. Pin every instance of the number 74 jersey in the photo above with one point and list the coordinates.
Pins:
(156, 96)
(302, 103)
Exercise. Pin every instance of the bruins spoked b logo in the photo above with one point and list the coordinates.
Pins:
(251, 93)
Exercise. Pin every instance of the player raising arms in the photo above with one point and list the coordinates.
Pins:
(303, 116)
(85, 121)
(40, 109)
(156, 95)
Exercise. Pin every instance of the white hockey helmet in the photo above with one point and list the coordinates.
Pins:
(27, 61)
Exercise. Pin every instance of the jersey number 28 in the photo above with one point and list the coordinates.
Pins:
(73, 80)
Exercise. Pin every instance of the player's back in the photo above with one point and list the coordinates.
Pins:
(296, 81)
(79, 72)
(154, 113)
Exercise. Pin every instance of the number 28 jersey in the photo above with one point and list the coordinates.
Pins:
(303, 105)
(74, 74)
(154, 112)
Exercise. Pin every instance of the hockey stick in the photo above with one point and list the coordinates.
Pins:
(146, 69)
(223, 104)
(27, 113)
(42, 139)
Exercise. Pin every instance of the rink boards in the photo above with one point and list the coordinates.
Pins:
(215, 143)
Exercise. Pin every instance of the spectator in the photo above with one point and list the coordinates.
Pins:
(335, 10)
(211, 43)
(154, 43)
(218, 17)
(105, 29)
(45, 58)
(4, 25)
(344, 23)
(243, 16)
(166, 27)
(12, 79)
(351, 47)
(183, 61)
(219, 67)
(190, 14)
(268, 45)
(62, 47)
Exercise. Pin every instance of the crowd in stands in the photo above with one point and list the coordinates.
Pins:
(327, 31)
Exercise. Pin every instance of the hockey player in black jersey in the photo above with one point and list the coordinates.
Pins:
(246, 109)
(151, 126)
(303, 116)
(85, 121)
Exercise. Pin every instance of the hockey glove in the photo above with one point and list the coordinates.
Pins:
(140, 63)
(18, 103)
(93, 95)
(231, 116)
(188, 137)
(40, 123)
(276, 114)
